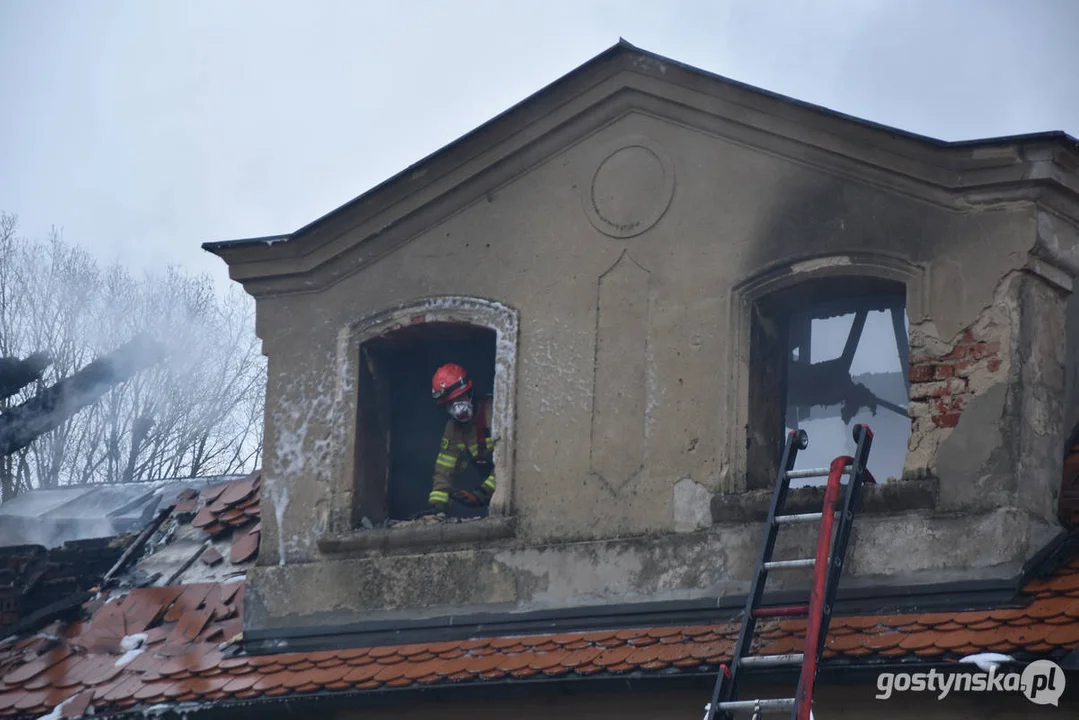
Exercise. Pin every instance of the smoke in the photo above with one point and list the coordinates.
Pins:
(159, 374)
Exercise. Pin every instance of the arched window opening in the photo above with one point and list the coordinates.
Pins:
(400, 427)
(828, 354)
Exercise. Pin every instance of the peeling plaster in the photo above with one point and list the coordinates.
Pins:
(692, 506)
(997, 322)
(309, 428)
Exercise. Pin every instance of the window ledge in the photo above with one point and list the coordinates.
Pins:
(419, 536)
(893, 497)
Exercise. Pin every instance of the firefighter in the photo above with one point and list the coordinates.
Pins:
(466, 439)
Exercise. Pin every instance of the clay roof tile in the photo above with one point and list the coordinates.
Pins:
(1050, 608)
(244, 547)
(40, 665)
(1065, 636)
(845, 643)
(78, 705)
(613, 656)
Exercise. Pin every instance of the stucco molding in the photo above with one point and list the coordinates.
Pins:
(782, 276)
(957, 176)
(1055, 255)
(645, 214)
(503, 320)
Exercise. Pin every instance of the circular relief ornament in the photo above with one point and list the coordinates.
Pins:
(631, 188)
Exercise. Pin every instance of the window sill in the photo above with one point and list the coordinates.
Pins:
(894, 497)
(430, 537)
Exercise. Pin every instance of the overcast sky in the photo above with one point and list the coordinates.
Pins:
(145, 128)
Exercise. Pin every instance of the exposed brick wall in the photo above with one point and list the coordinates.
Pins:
(940, 386)
(20, 566)
(32, 577)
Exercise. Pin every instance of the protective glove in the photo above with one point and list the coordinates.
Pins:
(468, 498)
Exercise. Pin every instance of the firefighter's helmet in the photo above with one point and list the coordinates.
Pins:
(450, 383)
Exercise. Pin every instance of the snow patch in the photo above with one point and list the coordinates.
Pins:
(987, 661)
(133, 645)
(58, 711)
(128, 657)
(132, 642)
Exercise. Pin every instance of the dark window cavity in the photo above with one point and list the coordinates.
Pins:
(399, 425)
(826, 356)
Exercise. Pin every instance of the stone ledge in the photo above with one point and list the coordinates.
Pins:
(893, 497)
(438, 535)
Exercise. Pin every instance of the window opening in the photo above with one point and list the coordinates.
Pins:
(400, 428)
(846, 364)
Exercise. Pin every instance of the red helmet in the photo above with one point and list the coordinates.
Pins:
(449, 383)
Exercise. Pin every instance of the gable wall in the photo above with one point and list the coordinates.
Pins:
(645, 332)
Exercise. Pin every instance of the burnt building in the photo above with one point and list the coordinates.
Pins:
(655, 271)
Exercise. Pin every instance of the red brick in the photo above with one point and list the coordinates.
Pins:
(949, 420)
(945, 405)
(994, 364)
(921, 373)
(984, 350)
(958, 353)
(943, 372)
(938, 389)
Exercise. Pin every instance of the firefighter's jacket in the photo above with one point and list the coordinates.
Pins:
(461, 445)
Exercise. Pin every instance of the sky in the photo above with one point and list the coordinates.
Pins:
(144, 128)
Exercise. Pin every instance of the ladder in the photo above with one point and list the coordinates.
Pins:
(827, 569)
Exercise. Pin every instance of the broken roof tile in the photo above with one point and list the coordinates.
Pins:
(236, 492)
(186, 507)
(213, 492)
(36, 666)
(244, 547)
(210, 556)
(216, 529)
(181, 660)
(204, 517)
(190, 599)
(77, 705)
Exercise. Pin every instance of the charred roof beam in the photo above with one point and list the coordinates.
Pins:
(16, 374)
(24, 423)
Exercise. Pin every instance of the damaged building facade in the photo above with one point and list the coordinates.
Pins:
(656, 271)
(633, 260)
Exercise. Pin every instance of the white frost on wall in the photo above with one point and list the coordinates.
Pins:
(309, 430)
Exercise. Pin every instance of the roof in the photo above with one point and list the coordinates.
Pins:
(622, 47)
(54, 516)
(179, 643)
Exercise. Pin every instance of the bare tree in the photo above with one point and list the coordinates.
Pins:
(198, 412)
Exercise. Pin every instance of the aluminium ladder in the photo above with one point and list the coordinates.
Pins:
(827, 569)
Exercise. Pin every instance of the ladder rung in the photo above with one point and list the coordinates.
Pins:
(772, 660)
(770, 705)
(814, 472)
(790, 564)
(785, 611)
(800, 518)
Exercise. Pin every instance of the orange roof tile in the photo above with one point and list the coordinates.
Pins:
(36, 676)
(185, 651)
